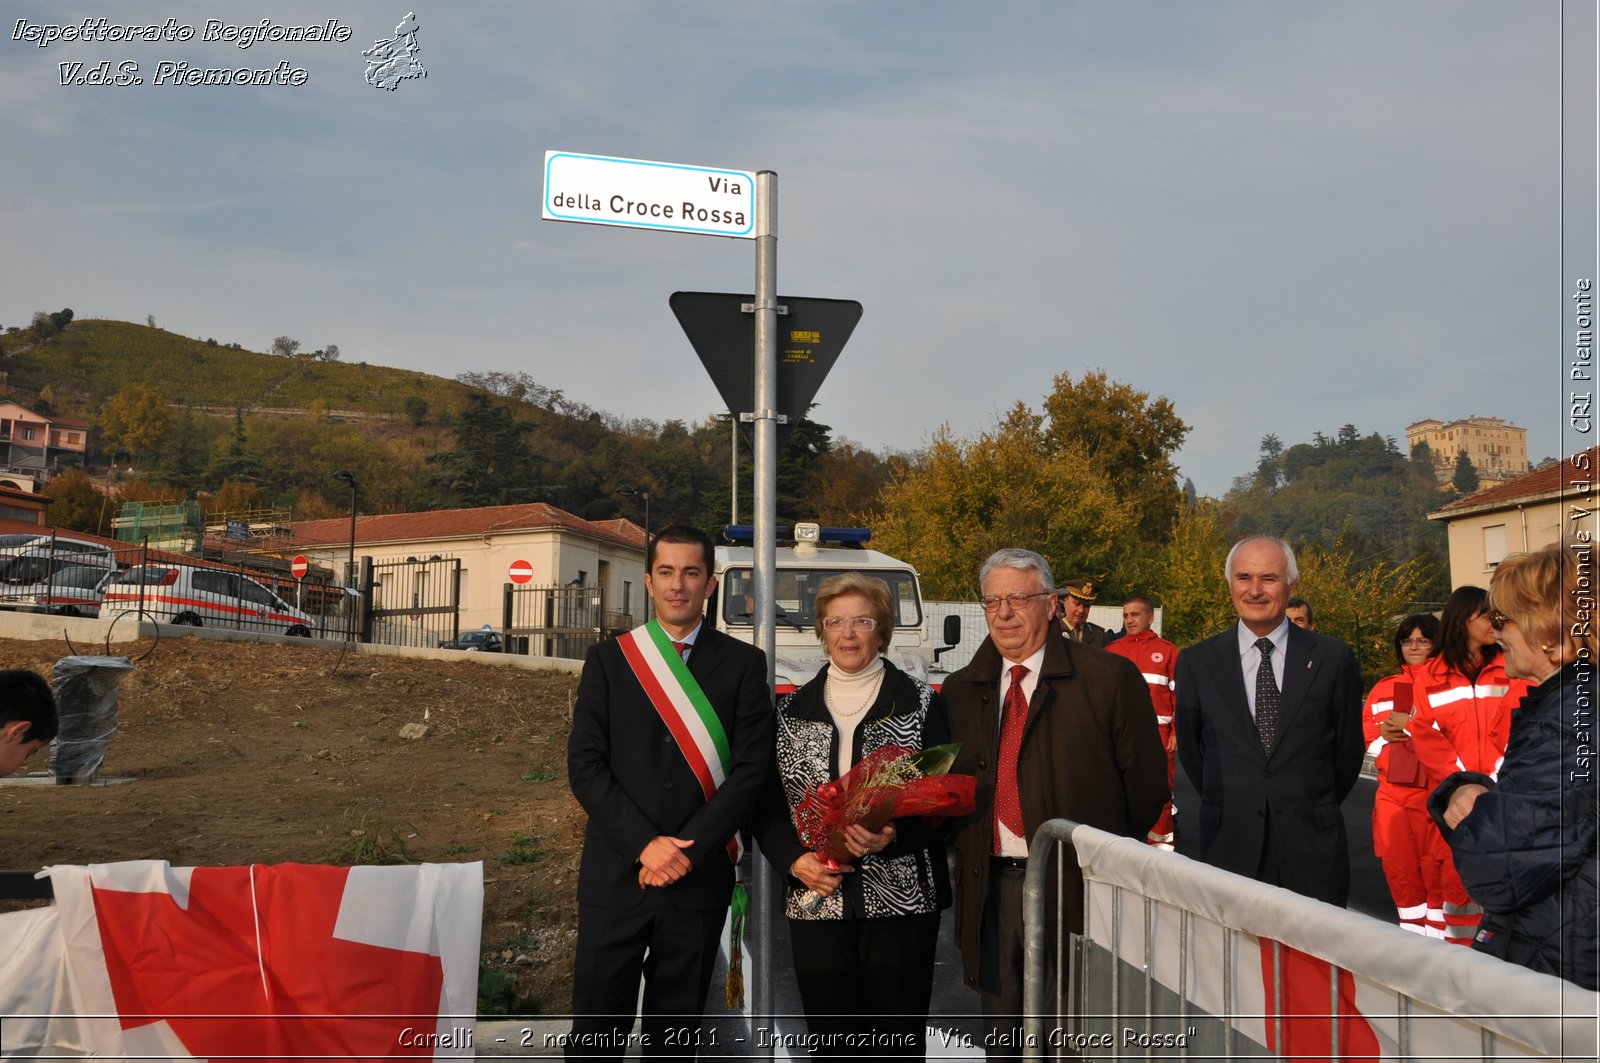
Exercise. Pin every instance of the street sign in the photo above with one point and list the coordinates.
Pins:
(810, 337)
(520, 571)
(640, 194)
(299, 566)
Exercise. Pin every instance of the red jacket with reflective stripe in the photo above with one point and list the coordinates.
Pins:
(1155, 658)
(1381, 702)
(1461, 724)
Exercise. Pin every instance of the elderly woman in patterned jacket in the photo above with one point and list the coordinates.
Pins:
(864, 952)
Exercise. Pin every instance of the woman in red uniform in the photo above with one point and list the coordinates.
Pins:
(1462, 725)
(1403, 834)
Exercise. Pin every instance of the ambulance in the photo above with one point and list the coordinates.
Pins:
(807, 555)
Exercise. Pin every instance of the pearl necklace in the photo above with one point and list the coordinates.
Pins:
(872, 696)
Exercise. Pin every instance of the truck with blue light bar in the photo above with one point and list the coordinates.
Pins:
(807, 555)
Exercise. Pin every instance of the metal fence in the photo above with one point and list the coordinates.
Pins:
(558, 621)
(1179, 960)
(413, 602)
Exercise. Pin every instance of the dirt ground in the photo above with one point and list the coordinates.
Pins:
(252, 753)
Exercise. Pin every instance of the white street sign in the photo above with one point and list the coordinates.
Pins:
(601, 190)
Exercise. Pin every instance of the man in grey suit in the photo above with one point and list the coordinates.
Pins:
(1269, 732)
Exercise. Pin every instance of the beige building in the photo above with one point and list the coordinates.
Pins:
(1496, 448)
(1523, 514)
(482, 550)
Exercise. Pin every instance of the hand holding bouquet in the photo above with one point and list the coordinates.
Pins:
(889, 783)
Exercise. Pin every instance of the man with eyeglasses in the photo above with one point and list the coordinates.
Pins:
(1051, 729)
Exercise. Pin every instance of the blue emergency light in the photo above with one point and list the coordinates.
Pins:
(746, 533)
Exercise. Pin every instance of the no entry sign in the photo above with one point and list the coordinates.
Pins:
(520, 571)
(300, 566)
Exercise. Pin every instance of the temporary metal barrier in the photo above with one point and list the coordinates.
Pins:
(413, 602)
(1180, 960)
(558, 621)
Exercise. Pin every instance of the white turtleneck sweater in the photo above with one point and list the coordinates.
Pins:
(848, 697)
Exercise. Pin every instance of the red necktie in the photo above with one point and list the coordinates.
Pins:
(681, 647)
(1013, 717)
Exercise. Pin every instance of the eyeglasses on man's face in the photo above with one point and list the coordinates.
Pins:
(991, 602)
(839, 623)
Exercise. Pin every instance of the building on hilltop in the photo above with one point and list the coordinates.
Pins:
(31, 443)
(1497, 448)
(1521, 515)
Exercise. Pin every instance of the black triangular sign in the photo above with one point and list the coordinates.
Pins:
(810, 337)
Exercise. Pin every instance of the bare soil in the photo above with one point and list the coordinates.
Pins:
(252, 753)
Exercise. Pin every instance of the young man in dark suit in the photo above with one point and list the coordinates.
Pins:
(1269, 732)
(671, 743)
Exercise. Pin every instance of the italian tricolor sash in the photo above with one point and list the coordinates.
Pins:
(684, 708)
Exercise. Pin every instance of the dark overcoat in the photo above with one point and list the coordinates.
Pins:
(1090, 753)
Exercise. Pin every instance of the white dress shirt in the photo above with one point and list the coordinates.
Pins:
(1250, 658)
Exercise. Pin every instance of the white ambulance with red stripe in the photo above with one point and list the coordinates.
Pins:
(807, 555)
(201, 597)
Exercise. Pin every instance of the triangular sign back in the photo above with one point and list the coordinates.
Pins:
(810, 337)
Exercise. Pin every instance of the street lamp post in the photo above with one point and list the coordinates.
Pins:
(628, 489)
(644, 493)
(350, 580)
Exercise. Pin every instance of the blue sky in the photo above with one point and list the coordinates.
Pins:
(1284, 217)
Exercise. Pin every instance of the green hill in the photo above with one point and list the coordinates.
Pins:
(263, 429)
(90, 361)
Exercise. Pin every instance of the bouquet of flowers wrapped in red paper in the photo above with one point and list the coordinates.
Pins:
(889, 783)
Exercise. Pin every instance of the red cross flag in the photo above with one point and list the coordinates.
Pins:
(278, 961)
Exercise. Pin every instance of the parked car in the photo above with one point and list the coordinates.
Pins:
(11, 543)
(74, 590)
(201, 597)
(35, 560)
(481, 641)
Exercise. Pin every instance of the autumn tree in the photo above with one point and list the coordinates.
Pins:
(285, 346)
(845, 486)
(1127, 436)
(234, 496)
(76, 503)
(135, 419)
(311, 505)
(958, 501)
(1186, 576)
(1359, 600)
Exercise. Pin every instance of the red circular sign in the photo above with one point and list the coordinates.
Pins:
(520, 571)
(300, 566)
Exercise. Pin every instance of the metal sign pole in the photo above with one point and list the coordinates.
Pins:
(765, 518)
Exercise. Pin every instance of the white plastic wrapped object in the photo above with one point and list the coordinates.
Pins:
(86, 691)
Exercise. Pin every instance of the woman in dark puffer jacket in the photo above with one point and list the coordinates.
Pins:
(1525, 843)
